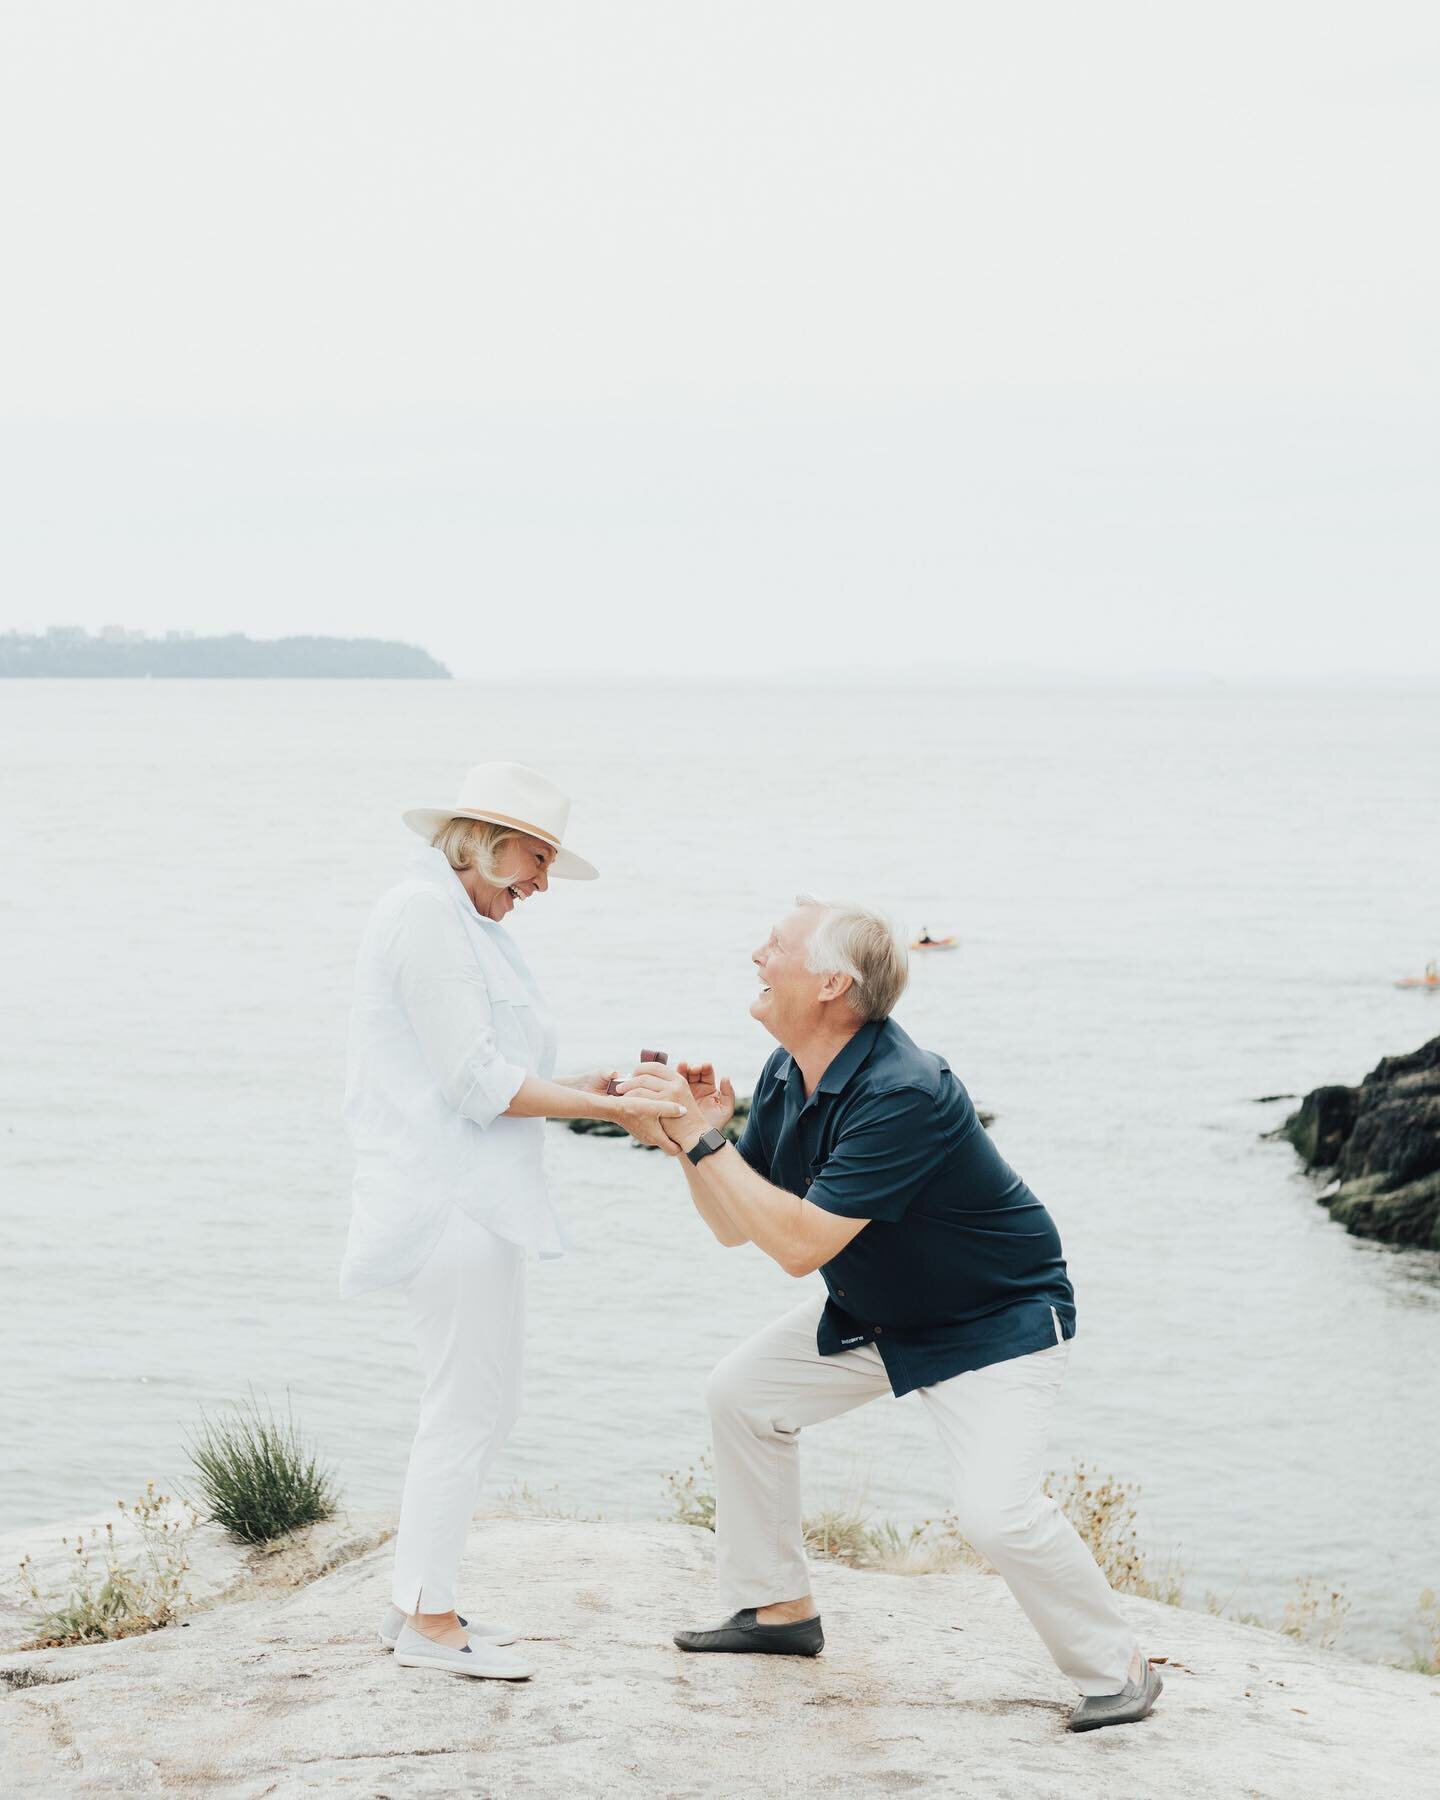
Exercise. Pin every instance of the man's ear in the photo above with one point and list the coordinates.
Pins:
(835, 987)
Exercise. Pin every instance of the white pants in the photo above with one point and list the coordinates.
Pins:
(993, 1423)
(467, 1316)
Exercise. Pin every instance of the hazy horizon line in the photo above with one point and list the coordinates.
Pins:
(915, 676)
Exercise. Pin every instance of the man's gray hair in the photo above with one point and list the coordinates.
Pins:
(859, 942)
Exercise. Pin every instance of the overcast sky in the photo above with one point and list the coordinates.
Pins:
(1095, 338)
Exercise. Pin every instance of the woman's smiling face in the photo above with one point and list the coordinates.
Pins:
(524, 870)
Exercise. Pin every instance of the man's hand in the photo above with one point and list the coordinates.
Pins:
(650, 1117)
(716, 1101)
(739, 1205)
(656, 1082)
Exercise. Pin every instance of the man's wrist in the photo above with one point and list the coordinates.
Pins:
(689, 1132)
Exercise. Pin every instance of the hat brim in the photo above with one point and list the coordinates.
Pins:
(425, 821)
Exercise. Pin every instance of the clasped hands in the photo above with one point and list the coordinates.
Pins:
(705, 1104)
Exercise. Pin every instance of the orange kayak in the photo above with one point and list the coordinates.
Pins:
(1431, 982)
(945, 943)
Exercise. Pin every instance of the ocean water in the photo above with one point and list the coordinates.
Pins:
(1171, 902)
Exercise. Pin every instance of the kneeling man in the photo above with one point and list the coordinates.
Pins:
(863, 1158)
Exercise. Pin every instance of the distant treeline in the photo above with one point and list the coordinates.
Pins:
(77, 653)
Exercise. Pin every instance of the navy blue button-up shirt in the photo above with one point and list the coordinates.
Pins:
(962, 1265)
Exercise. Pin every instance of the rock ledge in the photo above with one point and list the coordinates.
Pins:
(931, 1683)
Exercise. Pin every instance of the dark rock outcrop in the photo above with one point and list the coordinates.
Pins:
(1382, 1139)
(1325, 1119)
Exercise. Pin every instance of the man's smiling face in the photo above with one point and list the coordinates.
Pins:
(788, 1003)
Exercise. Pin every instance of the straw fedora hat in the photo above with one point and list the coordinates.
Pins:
(505, 793)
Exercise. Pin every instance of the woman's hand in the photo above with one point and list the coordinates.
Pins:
(597, 1082)
(644, 1115)
(715, 1100)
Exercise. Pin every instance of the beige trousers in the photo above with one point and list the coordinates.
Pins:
(993, 1423)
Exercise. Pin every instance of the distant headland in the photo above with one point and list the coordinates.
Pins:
(66, 650)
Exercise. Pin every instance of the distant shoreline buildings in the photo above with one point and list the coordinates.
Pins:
(117, 651)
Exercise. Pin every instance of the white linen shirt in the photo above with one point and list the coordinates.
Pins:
(446, 1025)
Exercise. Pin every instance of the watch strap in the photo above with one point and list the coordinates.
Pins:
(710, 1142)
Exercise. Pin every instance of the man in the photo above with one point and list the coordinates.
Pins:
(863, 1158)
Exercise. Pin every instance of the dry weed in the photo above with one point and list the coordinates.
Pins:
(109, 1595)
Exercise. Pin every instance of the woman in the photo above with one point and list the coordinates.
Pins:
(451, 1067)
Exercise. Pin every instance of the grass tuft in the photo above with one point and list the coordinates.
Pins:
(692, 1495)
(111, 1595)
(522, 1501)
(844, 1534)
(256, 1476)
(1104, 1510)
(1427, 1660)
(1101, 1508)
(1315, 1615)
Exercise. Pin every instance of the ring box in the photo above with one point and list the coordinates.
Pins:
(655, 1056)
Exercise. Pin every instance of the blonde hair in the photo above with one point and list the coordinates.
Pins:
(475, 844)
(861, 943)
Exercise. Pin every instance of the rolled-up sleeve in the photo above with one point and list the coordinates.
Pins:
(442, 989)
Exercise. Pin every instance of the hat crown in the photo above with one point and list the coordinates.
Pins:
(507, 793)
(517, 795)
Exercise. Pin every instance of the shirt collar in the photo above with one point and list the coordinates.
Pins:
(433, 865)
(855, 1053)
(842, 1065)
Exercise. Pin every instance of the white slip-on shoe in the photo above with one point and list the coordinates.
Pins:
(412, 1651)
(491, 1634)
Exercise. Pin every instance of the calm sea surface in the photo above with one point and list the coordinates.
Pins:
(1171, 903)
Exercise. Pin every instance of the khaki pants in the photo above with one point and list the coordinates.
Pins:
(993, 1423)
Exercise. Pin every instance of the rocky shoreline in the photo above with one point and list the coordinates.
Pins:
(929, 1683)
(1382, 1140)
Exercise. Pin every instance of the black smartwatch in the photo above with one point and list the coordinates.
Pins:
(710, 1142)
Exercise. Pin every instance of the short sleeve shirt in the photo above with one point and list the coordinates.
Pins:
(961, 1266)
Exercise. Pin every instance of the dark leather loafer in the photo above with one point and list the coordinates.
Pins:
(1133, 1702)
(743, 1636)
